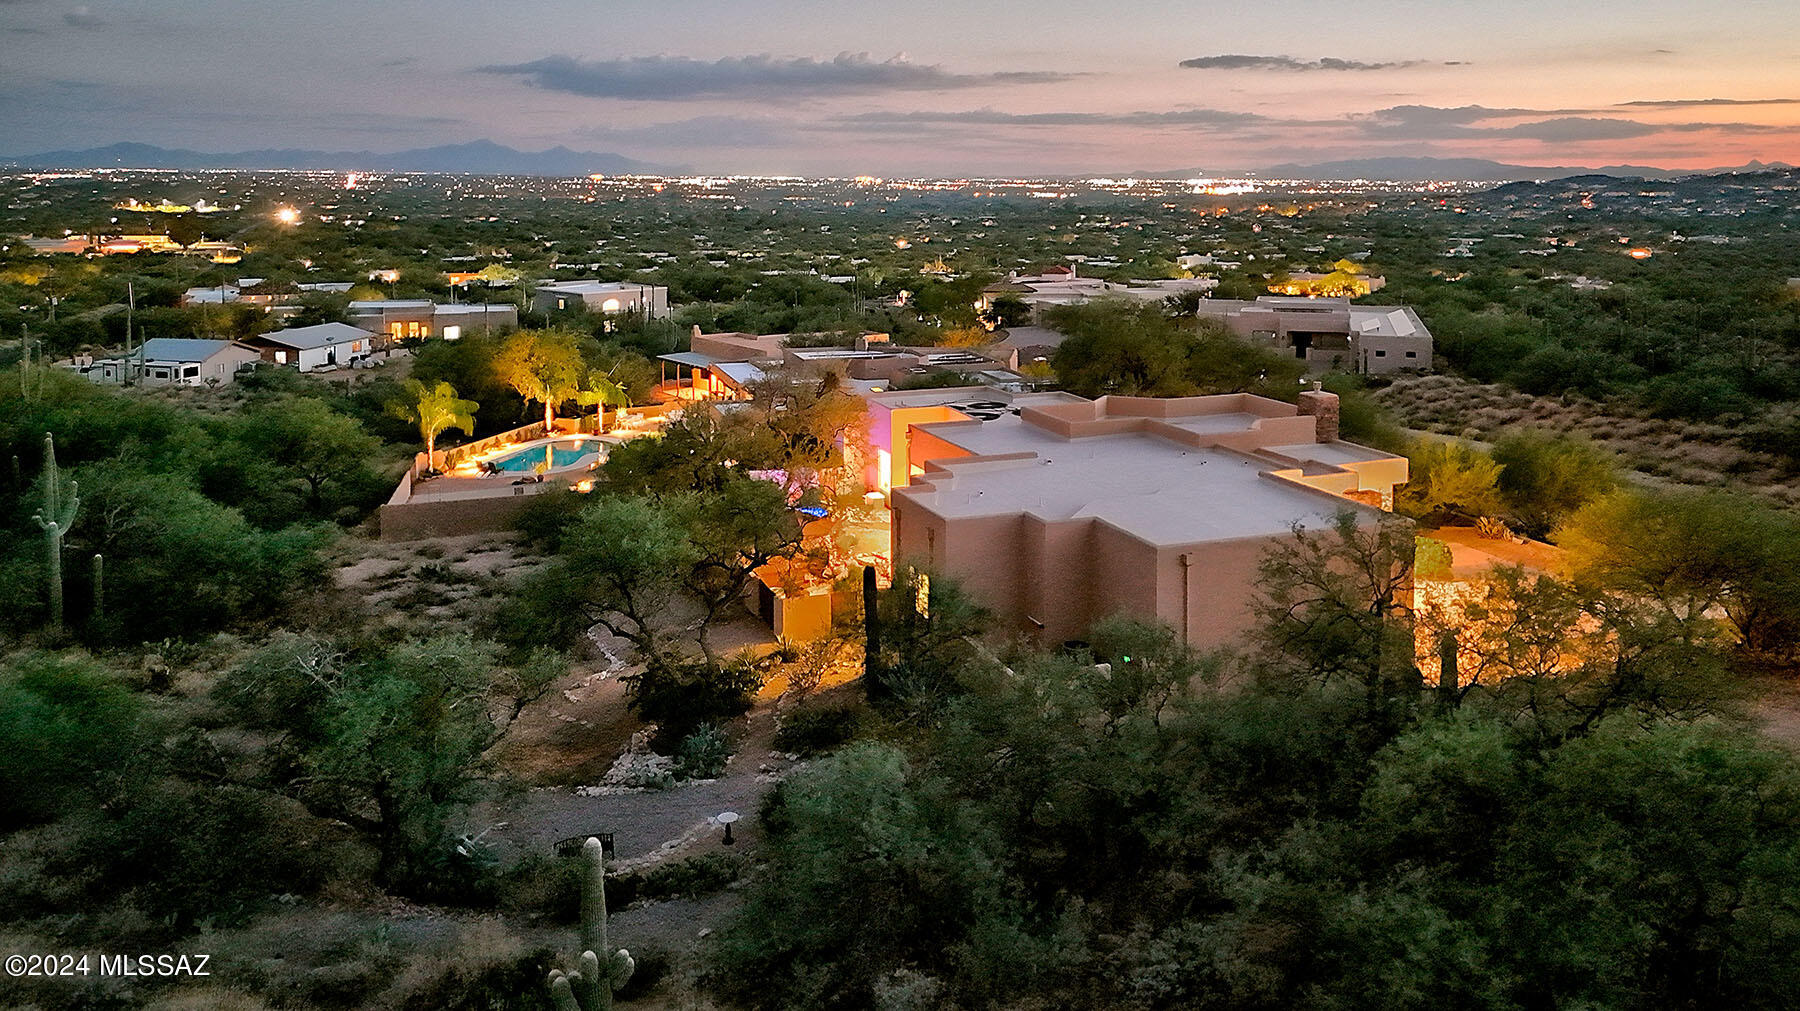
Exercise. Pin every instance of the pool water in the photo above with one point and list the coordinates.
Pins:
(560, 454)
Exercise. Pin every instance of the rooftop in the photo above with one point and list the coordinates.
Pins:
(1150, 487)
(592, 287)
(180, 349)
(322, 335)
(1168, 472)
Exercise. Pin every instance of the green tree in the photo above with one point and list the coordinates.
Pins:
(542, 366)
(1694, 552)
(1448, 482)
(1544, 478)
(731, 534)
(306, 442)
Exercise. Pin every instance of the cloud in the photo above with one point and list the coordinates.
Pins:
(1557, 126)
(679, 77)
(1694, 103)
(994, 117)
(1235, 61)
(83, 17)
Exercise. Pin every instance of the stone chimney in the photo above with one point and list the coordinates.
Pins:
(1323, 407)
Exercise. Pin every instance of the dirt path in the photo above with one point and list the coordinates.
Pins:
(649, 823)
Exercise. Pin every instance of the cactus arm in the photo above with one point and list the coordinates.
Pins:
(561, 994)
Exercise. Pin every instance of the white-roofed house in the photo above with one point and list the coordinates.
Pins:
(604, 297)
(307, 348)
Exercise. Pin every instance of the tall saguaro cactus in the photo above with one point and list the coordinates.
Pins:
(31, 373)
(99, 587)
(55, 519)
(871, 598)
(590, 988)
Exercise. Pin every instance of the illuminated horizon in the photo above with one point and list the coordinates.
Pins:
(980, 88)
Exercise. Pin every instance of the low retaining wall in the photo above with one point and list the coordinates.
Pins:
(454, 516)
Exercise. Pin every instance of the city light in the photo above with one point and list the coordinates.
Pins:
(287, 216)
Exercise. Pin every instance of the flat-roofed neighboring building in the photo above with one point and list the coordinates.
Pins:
(1055, 512)
(416, 319)
(604, 297)
(308, 348)
(1062, 286)
(725, 365)
(1330, 333)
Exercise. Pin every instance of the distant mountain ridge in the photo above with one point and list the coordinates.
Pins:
(1459, 170)
(481, 157)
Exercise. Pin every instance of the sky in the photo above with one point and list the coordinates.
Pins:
(977, 87)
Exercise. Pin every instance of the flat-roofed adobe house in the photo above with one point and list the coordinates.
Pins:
(416, 319)
(174, 361)
(1329, 333)
(604, 297)
(307, 348)
(1055, 512)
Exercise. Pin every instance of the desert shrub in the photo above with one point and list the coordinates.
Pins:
(680, 696)
(540, 885)
(67, 725)
(809, 730)
(693, 878)
(546, 516)
(703, 753)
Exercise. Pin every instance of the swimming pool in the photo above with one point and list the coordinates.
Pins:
(560, 454)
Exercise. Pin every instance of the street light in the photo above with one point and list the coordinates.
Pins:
(287, 215)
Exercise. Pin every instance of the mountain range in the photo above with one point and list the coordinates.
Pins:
(1466, 170)
(481, 157)
(484, 157)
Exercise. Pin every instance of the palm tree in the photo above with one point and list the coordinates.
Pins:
(600, 394)
(435, 409)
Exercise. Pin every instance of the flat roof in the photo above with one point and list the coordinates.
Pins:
(593, 287)
(1332, 452)
(1153, 489)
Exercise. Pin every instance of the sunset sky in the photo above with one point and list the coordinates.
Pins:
(945, 88)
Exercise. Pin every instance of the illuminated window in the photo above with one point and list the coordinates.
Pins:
(452, 333)
(610, 305)
(922, 601)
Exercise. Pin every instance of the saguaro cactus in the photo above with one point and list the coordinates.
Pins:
(99, 587)
(590, 988)
(872, 681)
(31, 374)
(55, 519)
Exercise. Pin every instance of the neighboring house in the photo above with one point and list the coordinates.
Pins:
(172, 361)
(1054, 512)
(1330, 333)
(422, 319)
(1062, 286)
(218, 294)
(725, 365)
(307, 348)
(604, 297)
